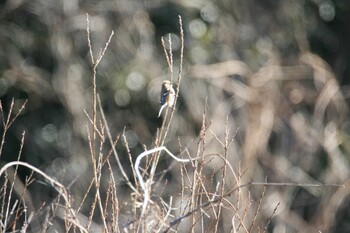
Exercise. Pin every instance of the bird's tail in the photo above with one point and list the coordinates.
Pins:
(161, 109)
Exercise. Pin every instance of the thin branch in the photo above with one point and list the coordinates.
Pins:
(116, 156)
(94, 68)
(181, 51)
(257, 209)
(8, 122)
(177, 83)
(57, 185)
(91, 121)
(126, 144)
(19, 112)
(179, 219)
(102, 53)
(145, 153)
(171, 59)
(273, 213)
(89, 39)
(166, 54)
(2, 113)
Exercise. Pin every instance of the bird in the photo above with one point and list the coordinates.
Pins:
(167, 96)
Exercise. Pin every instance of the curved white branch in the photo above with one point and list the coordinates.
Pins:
(147, 152)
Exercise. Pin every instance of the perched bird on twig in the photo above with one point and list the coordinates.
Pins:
(167, 96)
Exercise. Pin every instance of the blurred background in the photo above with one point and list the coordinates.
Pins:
(278, 71)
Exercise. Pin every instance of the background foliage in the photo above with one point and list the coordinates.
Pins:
(277, 70)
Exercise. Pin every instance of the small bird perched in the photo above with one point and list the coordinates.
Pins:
(167, 96)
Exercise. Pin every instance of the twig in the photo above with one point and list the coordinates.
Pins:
(126, 178)
(179, 219)
(273, 213)
(177, 82)
(145, 153)
(8, 122)
(92, 142)
(89, 39)
(57, 185)
(257, 209)
(102, 53)
(94, 70)
(146, 186)
(14, 180)
(167, 55)
(126, 144)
